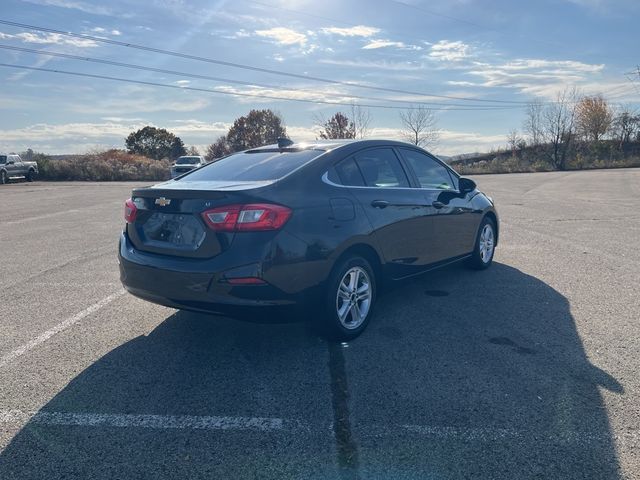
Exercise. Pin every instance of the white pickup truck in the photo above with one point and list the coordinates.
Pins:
(13, 167)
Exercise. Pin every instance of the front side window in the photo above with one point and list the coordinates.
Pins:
(381, 168)
(430, 173)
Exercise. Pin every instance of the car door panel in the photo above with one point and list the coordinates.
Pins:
(400, 216)
(453, 224)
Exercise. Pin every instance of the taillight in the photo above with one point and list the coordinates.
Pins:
(247, 218)
(130, 211)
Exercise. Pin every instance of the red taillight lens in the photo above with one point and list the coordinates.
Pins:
(130, 211)
(247, 218)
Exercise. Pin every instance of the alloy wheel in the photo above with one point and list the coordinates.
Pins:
(353, 299)
(487, 243)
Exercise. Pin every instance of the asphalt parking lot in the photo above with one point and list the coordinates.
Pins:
(527, 370)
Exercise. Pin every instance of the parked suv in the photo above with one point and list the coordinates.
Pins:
(12, 167)
(186, 164)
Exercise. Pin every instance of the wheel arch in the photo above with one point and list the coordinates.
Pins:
(368, 253)
(494, 218)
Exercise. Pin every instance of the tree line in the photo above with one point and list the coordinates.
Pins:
(573, 125)
(572, 131)
(264, 127)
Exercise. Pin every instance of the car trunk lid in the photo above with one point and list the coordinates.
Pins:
(169, 222)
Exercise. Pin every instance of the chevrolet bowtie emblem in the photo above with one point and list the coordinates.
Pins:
(163, 202)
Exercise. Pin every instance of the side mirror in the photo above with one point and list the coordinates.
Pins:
(466, 185)
(10, 162)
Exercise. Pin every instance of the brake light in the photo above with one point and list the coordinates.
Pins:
(247, 218)
(130, 211)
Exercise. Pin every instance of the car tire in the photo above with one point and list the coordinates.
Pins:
(485, 245)
(30, 176)
(350, 298)
(3, 178)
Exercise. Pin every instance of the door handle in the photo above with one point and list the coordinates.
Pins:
(437, 205)
(380, 204)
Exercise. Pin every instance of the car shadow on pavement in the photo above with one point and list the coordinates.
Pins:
(460, 375)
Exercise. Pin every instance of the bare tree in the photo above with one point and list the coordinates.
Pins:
(558, 127)
(533, 122)
(361, 118)
(515, 142)
(626, 125)
(593, 117)
(420, 126)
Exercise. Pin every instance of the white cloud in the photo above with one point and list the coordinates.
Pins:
(283, 36)
(83, 137)
(75, 5)
(123, 119)
(379, 65)
(182, 83)
(557, 65)
(356, 31)
(252, 94)
(539, 77)
(105, 31)
(128, 102)
(51, 39)
(374, 44)
(446, 50)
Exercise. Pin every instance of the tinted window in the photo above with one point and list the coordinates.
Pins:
(430, 173)
(381, 168)
(261, 165)
(3, 159)
(187, 160)
(348, 173)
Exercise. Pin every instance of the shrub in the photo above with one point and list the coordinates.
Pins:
(112, 165)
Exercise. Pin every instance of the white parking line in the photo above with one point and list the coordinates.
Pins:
(21, 350)
(141, 421)
(40, 217)
(266, 424)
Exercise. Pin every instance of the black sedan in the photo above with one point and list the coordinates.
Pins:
(317, 224)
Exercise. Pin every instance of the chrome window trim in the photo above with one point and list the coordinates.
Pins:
(325, 179)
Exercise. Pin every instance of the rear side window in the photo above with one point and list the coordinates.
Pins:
(249, 167)
(346, 173)
(430, 173)
(381, 168)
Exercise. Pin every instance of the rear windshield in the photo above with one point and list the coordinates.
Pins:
(256, 166)
(3, 159)
(187, 160)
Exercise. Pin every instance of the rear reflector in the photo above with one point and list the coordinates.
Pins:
(130, 211)
(247, 218)
(246, 281)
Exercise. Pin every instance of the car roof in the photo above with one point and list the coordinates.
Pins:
(326, 145)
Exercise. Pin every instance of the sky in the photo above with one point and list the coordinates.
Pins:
(476, 63)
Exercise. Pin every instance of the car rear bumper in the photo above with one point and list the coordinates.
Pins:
(198, 284)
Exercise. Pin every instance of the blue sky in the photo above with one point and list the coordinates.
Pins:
(480, 51)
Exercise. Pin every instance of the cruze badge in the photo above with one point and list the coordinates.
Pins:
(163, 202)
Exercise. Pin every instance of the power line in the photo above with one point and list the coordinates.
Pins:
(244, 94)
(216, 79)
(250, 67)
